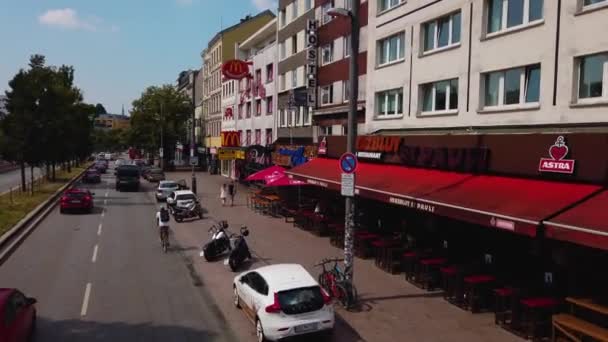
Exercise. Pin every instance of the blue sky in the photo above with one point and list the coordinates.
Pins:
(118, 47)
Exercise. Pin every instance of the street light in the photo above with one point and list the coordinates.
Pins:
(349, 219)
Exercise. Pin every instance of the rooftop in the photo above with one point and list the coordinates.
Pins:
(261, 35)
(243, 20)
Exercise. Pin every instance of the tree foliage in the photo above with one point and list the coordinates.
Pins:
(158, 107)
(111, 140)
(100, 109)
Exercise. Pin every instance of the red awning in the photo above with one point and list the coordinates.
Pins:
(513, 204)
(585, 224)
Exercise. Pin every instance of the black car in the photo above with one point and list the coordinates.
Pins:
(127, 177)
(91, 176)
(102, 167)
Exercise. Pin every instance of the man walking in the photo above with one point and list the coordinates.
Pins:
(231, 192)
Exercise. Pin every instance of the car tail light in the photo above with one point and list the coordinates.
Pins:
(326, 297)
(64, 199)
(87, 198)
(274, 307)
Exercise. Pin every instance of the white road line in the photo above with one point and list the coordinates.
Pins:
(99, 229)
(106, 194)
(94, 258)
(103, 212)
(105, 202)
(85, 301)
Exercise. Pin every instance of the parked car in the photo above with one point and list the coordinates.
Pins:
(155, 175)
(76, 199)
(127, 177)
(17, 316)
(283, 300)
(165, 188)
(119, 162)
(181, 199)
(144, 170)
(182, 184)
(91, 176)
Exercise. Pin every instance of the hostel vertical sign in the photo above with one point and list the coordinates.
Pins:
(311, 67)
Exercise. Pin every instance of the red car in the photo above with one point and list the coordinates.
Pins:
(17, 316)
(74, 199)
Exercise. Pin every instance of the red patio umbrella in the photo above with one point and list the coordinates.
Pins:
(267, 175)
(284, 181)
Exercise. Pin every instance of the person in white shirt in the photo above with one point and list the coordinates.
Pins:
(163, 225)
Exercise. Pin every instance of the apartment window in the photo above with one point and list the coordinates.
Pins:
(326, 130)
(593, 2)
(346, 90)
(269, 136)
(283, 17)
(347, 46)
(248, 141)
(327, 94)
(440, 96)
(248, 113)
(307, 5)
(294, 78)
(385, 5)
(258, 136)
(327, 53)
(269, 105)
(348, 4)
(389, 103)
(391, 49)
(294, 44)
(241, 137)
(325, 17)
(294, 10)
(269, 73)
(258, 107)
(289, 118)
(282, 81)
(258, 76)
(515, 86)
(442, 32)
(504, 14)
(306, 116)
(240, 111)
(282, 51)
(593, 77)
(297, 117)
(282, 117)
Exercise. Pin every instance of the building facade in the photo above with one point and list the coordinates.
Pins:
(112, 121)
(294, 112)
(220, 49)
(330, 115)
(481, 65)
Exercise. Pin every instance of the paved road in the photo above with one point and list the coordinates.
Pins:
(103, 277)
(13, 178)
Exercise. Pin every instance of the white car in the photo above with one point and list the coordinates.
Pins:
(181, 198)
(283, 300)
(165, 188)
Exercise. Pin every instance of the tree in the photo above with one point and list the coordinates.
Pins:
(100, 109)
(159, 107)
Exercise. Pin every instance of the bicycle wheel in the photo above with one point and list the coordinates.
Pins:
(323, 283)
(342, 295)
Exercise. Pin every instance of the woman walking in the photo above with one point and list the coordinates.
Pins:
(223, 194)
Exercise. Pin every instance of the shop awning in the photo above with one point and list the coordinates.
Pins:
(513, 204)
(585, 224)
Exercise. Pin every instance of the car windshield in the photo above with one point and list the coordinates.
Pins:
(168, 185)
(301, 300)
(156, 171)
(186, 197)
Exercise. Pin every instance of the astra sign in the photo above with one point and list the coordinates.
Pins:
(557, 163)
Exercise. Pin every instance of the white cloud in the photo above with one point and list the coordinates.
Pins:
(184, 2)
(264, 4)
(68, 18)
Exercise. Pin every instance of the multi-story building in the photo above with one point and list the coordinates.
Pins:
(294, 112)
(330, 115)
(467, 65)
(198, 105)
(112, 121)
(249, 104)
(220, 49)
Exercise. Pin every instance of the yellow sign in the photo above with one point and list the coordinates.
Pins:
(229, 154)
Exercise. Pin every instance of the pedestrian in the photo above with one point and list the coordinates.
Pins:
(232, 192)
(223, 194)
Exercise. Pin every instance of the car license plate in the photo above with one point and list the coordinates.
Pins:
(75, 201)
(306, 327)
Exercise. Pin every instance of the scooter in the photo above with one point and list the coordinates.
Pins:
(240, 250)
(219, 244)
(193, 209)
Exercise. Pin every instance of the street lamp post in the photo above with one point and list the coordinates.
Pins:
(349, 219)
(192, 142)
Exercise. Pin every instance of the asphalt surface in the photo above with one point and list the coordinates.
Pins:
(103, 276)
(12, 179)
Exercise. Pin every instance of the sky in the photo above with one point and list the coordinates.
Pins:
(117, 47)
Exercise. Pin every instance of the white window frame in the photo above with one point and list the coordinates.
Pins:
(282, 50)
(306, 117)
(298, 116)
(348, 4)
(597, 99)
(451, 42)
(380, 46)
(448, 92)
(294, 10)
(505, 16)
(282, 118)
(282, 81)
(326, 18)
(523, 82)
(590, 7)
(308, 4)
(329, 91)
(391, 5)
(345, 86)
(294, 78)
(346, 46)
(283, 15)
(294, 44)
(386, 93)
(331, 53)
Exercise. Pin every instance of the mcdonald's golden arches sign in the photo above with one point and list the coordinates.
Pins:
(235, 69)
(231, 139)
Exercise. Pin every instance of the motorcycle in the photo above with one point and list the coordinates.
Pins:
(240, 250)
(193, 209)
(219, 244)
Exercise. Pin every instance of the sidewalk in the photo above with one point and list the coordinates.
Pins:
(392, 310)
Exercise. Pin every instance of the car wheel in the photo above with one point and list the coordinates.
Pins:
(237, 300)
(61, 210)
(32, 333)
(259, 331)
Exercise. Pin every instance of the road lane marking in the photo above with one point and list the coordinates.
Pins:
(94, 258)
(105, 202)
(85, 301)
(103, 212)
(106, 194)
(99, 229)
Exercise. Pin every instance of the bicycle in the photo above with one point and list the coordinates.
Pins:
(164, 238)
(334, 282)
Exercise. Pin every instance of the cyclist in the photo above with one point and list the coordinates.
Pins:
(162, 221)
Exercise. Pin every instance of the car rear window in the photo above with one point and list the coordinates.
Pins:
(186, 197)
(301, 300)
(76, 194)
(168, 185)
(157, 171)
(127, 172)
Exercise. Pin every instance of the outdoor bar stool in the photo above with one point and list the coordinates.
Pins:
(409, 264)
(477, 288)
(536, 316)
(448, 281)
(337, 236)
(363, 240)
(502, 304)
(429, 277)
(381, 248)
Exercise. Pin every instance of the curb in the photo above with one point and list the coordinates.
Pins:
(11, 239)
(8, 169)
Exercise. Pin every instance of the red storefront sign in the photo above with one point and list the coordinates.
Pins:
(236, 69)
(230, 139)
(557, 163)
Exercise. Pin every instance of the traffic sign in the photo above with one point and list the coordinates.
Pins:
(348, 163)
(160, 152)
(348, 184)
(194, 160)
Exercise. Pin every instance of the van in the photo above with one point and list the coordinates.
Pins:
(127, 177)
